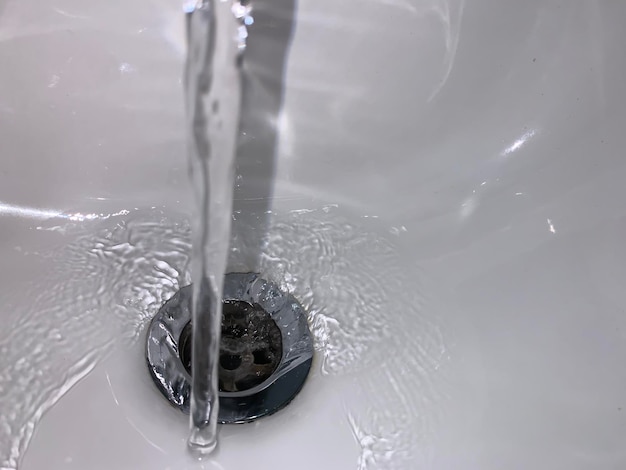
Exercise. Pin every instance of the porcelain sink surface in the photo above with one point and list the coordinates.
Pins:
(441, 186)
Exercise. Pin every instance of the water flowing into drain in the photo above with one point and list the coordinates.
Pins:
(213, 96)
(250, 348)
(265, 353)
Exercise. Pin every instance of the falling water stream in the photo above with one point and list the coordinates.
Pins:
(216, 37)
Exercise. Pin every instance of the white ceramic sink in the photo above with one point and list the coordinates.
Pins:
(446, 198)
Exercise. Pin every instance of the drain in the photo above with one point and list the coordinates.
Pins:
(265, 353)
(250, 350)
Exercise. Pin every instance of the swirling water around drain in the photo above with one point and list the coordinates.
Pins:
(372, 325)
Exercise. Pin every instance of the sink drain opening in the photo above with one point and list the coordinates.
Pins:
(250, 349)
(266, 350)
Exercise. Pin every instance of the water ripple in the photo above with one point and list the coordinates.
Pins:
(376, 333)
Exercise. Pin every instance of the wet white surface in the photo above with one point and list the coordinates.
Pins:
(463, 259)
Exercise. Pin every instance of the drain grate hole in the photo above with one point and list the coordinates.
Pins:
(230, 361)
(262, 356)
(234, 331)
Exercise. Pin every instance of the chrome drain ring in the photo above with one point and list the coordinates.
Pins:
(163, 352)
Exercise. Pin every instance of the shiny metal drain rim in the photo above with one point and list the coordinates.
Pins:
(163, 352)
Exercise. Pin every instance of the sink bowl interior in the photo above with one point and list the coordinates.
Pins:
(440, 185)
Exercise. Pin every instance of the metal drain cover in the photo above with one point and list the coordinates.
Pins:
(265, 353)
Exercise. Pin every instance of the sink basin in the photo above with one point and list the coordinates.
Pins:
(440, 186)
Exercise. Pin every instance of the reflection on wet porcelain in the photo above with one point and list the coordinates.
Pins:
(476, 323)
